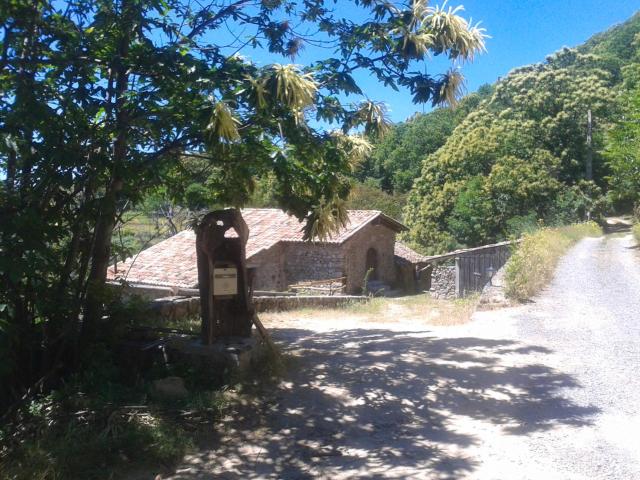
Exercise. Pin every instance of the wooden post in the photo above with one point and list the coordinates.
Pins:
(223, 313)
(589, 156)
(458, 279)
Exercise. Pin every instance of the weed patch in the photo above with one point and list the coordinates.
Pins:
(74, 435)
(421, 308)
(533, 263)
(96, 427)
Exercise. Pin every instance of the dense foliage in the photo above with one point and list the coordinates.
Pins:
(528, 153)
(623, 151)
(102, 102)
(396, 159)
(522, 152)
(368, 196)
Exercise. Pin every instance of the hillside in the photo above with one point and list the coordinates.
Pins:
(397, 158)
(520, 155)
(617, 42)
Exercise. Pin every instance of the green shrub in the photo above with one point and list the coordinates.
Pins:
(533, 263)
(96, 425)
(576, 203)
(369, 196)
(470, 221)
(636, 231)
(101, 448)
(521, 224)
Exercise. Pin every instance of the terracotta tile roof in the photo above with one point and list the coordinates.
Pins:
(172, 262)
(406, 253)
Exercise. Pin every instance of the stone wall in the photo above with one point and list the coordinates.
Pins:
(493, 294)
(173, 308)
(267, 304)
(443, 282)
(146, 291)
(269, 269)
(287, 263)
(405, 275)
(355, 253)
(179, 307)
(312, 261)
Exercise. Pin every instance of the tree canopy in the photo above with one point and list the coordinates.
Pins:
(396, 158)
(623, 151)
(103, 101)
(521, 153)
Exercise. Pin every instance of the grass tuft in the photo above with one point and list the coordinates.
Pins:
(636, 231)
(532, 265)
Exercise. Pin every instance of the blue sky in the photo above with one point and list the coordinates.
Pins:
(522, 32)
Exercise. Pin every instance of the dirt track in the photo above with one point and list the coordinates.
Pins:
(549, 390)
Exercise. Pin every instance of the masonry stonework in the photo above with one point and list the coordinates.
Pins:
(443, 282)
(312, 261)
(269, 272)
(378, 237)
(278, 255)
(289, 263)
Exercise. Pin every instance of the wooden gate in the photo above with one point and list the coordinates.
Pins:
(474, 266)
(475, 269)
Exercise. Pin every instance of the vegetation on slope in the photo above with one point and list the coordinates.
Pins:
(397, 157)
(532, 265)
(623, 151)
(521, 154)
(616, 42)
(515, 153)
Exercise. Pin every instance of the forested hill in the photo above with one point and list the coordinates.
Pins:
(617, 42)
(516, 153)
(396, 159)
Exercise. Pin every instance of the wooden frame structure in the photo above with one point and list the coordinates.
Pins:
(223, 315)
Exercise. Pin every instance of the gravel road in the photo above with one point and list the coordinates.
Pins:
(588, 321)
(549, 390)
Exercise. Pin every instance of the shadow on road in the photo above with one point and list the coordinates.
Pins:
(375, 403)
(617, 225)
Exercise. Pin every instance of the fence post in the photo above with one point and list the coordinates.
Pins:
(459, 290)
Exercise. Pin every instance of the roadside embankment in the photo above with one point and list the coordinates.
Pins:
(532, 265)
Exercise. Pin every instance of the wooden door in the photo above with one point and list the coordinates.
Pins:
(372, 263)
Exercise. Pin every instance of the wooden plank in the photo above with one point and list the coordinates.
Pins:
(455, 253)
(263, 331)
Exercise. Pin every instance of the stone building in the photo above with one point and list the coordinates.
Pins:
(279, 256)
(408, 266)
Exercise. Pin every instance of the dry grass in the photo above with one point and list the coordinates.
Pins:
(420, 309)
(636, 231)
(534, 262)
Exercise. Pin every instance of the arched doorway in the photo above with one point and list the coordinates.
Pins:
(372, 263)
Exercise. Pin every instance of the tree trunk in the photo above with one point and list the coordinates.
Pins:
(588, 167)
(108, 210)
(100, 260)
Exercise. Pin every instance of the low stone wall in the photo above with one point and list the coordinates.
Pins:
(493, 294)
(443, 282)
(175, 307)
(179, 307)
(153, 292)
(278, 304)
